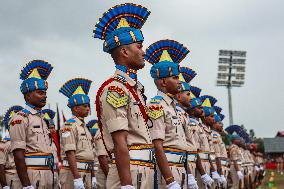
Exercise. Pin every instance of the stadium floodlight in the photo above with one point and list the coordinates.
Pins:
(231, 73)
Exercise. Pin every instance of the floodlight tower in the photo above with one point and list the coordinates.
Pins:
(231, 73)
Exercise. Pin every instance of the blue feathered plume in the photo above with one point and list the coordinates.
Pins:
(187, 73)
(70, 86)
(43, 68)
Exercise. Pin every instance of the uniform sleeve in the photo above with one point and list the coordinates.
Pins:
(114, 104)
(68, 138)
(216, 145)
(99, 146)
(158, 127)
(18, 128)
(2, 154)
(234, 154)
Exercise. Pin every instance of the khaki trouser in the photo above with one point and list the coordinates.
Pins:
(40, 179)
(235, 178)
(101, 178)
(192, 166)
(13, 180)
(67, 180)
(179, 174)
(142, 177)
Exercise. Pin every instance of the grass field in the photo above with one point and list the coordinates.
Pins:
(273, 180)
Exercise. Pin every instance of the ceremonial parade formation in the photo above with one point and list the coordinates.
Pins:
(173, 140)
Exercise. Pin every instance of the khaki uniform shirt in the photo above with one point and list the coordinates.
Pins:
(6, 155)
(120, 112)
(235, 153)
(167, 124)
(218, 145)
(76, 136)
(189, 129)
(205, 138)
(30, 132)
(99, 145)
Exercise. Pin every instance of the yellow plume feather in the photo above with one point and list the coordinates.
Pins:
(79, 90)
(206, 103)
(34, 74)
(122, 23)
(165, 56)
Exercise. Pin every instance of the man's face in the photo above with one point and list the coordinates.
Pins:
(209, 120)
(198, 111)
(36, 98)
(184, 98)
(82, 110)
(218, 126)
(136, 56)
(172, 85)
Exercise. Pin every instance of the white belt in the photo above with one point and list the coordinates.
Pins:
(39, 161)
(141, 155)
(80, 165)
(175, 157)
(204, 156)
(239, 162)
(191, 157)
(224, 162)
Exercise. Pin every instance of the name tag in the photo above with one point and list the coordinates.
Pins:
(36, 126)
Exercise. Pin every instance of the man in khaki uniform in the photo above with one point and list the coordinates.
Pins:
(195, 112)
(236, 161)
(48, 116)
(75, 138)
(120, 101)
(167, 131)
(8, 176)
(208, 120)
(30, 139)
(102, 161)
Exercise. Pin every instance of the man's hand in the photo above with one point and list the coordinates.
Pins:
(173, 185)
(29, 187)
(94, 182)
(70, 155)
(78, 183)
(6, 187)
(191, 182)
(223, 181)
(207, 180)
(240, 175)
(127, 187)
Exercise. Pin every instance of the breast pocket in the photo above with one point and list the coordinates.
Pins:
(37, 133)
(176, 122)
(136, 115)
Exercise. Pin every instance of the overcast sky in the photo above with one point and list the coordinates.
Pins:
(60, 32)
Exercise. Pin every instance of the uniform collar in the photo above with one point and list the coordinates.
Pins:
(79, 120)
(129, 80)
(169, 100)
(130, 72)
(31, 109)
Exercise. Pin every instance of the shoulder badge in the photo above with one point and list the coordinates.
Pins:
(120, 78)
(156, 100)
(192, 122)
(155, 111)
(117, 97)
(15, 122)
(65, 132)
(69, 122)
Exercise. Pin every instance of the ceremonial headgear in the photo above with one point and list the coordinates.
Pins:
(165, 56)
(221, 116)
(77, 91)
(207, 102)
(185, 76)
(121, 25)
(9, 114)
(34, 75)
(93, 126)
(49, 115)
(195, 92)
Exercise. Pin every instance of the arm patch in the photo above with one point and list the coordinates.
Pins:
(117, 97)
(15, 122)
(155, 111)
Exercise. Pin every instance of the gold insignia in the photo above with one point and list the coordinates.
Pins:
(117, 101)
(155, 111)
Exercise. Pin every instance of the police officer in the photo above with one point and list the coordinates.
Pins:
(235, 158)
(30, 139)
(75, 138)
(195, 112)
(7, 165)
(207, 122)
(167, 130)
(48, 116)
(122, 119)
(102, 160)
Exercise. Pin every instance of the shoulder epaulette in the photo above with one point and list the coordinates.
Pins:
(25, 111)
(120, 78)
(70, 121)
(156, 100)
(23, 114)
(192, 122)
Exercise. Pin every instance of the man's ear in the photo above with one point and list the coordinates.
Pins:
(163, 82)
(124, 51)
(177, 96)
